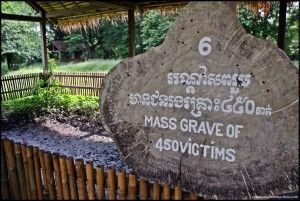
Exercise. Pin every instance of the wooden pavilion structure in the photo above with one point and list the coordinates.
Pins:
(76, 13)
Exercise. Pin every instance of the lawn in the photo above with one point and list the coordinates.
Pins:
(96, 65)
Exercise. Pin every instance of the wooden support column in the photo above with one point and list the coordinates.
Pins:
(131, 32)
(282, 24)
(44, 45)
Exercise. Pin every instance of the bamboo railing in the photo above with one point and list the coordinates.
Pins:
(30, 173)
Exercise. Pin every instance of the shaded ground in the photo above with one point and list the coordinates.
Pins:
(52, 135)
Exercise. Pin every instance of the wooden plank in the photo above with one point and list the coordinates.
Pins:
(132, 187)
(6, 16)
(90, 180)
(12, 169)
(5, 194)
(21, 172)
(81, 179)
(156, 191)
(72, 178)
(100, 178)
(33, 188)
(64, 178)
(58, 184)
(44, 174)
(112, 184)
(143, 189)
(37, 171)
(166, 192)
(122, 193)
(25, 162)
(49, 171)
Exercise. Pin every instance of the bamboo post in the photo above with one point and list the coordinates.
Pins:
(12, 170)
(143, 190)
(64, 178)
(33, 188)
(72, 178)
(193, 196)
(25, 162)
(132, 189)
(58, 185)
(81, 179)
(4, 176)
(100, 177)
(90, 180)
(37, 170)
(44, 174)
(166, 192)
(122, 185)
(178, 193)
(112, 184)
(156, 191)
(21, 172)
(49, 171)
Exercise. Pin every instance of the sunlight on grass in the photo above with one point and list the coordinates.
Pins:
(97, 65)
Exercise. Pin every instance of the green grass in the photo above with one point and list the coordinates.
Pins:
(96, 65)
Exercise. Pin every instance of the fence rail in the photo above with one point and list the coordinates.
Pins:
(30, 173)
(18, 86)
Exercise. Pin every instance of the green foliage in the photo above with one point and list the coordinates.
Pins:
(52, 65)
(20, 41)
(154, 28)
(46, 101)
(266, 27)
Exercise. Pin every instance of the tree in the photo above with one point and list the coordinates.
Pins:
(154, 28)
(20, 41)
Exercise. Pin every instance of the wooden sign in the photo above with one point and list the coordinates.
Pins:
(212, 109)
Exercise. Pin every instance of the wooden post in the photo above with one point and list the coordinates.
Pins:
(122, 185)
(100, 177)
(112, 184)
(143, 190)
(72, 178)
(44, 45)
(37, 171)
(282, 24)
(33, 188)
(131, 32)
(178, 193)
(12, 170)
(132, 187)
(81, 179)
(25, 162)
(49, 171)
(4, 176)
(64, 178)
(90, 175)
(166, 192)
(193, 196)
(21, 172)
(58, 185)
(44, 174)
(156, 191)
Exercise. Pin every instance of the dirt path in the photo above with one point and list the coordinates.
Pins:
(51, 135)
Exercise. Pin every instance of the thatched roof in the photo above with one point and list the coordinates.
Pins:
(70, 15)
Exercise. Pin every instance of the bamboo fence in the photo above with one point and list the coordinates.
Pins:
(30, 173)
(18, 86)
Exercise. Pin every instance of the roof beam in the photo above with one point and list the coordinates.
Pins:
(123, 4)
(75, 11)
(6, 16)
(35, 6)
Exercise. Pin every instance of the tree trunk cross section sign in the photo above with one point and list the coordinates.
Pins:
(212, 109)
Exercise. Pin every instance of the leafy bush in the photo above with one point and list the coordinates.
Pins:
(47, 100)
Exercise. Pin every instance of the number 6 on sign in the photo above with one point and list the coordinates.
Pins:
(204, 46)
